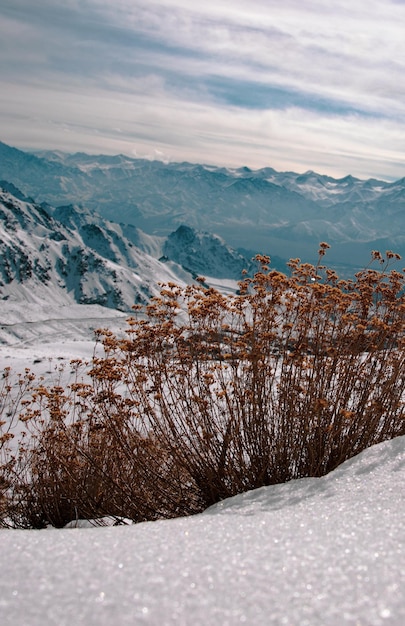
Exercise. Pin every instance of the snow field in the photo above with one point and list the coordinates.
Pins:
(317, 551)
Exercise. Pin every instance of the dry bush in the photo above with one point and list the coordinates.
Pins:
(209, 395)
(14, 391)
(78, 459)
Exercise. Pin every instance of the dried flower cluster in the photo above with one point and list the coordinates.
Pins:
(209, 395)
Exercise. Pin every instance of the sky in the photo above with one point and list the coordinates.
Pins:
(293, 85)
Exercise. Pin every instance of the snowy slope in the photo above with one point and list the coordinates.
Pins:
(74, 260)
(315, 552)
(71, 254)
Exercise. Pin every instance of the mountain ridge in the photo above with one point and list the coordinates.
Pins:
(282, 214)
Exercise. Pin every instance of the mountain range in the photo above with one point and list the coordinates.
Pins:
(283, 214)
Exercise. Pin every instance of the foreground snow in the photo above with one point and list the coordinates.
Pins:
(316, 551)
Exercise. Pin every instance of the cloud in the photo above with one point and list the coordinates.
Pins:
(309, 85)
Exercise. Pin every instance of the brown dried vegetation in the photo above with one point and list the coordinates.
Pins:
(208, 395)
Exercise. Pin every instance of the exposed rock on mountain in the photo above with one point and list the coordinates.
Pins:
(204, 254)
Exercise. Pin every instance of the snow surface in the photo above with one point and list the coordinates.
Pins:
(317, 551)
(320, 551)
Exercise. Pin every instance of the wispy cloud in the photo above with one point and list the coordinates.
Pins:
(293, 85)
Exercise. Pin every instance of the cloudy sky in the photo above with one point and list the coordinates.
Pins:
(296, 85)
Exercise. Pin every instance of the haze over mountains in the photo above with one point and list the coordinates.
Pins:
(283, 214)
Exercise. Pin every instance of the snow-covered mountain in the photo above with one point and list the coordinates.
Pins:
(88, 265)
(72, 254)
(278, 213)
